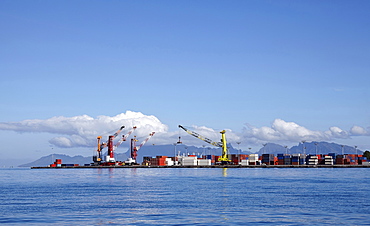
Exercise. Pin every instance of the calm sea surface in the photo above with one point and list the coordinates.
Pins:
(156, 196)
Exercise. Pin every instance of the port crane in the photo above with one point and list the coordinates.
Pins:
(109, 143)
(101, 146)
(223, 158)
(135, 149)
(112, 148)
(97, 158)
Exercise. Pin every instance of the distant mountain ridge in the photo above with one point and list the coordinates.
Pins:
(309, 148)
(172, 150)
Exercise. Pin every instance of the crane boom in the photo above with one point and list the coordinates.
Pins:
(134, 149)
(113, 136)
(124, 137)
(144, 141)
(217, 144)
(223, 144)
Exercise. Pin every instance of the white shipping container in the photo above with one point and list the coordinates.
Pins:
(204, 162)
(169, 163)
(312, 162)
(189, 161)
(244, 162)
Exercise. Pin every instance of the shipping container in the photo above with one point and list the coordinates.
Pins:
(204, 162)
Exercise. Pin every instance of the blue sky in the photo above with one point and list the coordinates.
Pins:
(246, 66)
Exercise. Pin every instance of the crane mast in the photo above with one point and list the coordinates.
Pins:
(223, 144)
(224, 158)
(135, 149)
(97, 158)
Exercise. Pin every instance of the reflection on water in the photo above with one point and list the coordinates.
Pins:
(224, 172)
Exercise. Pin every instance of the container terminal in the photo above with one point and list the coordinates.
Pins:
(225, 160)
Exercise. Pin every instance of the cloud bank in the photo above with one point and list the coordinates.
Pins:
(281, 130)
(81, 131)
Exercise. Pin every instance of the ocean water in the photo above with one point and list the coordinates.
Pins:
(185, 196)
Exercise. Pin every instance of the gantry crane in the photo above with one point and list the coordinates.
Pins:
(223, 158)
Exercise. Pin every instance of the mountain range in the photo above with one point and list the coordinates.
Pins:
(171, 150)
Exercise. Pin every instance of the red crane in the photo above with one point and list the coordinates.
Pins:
(135, 149)
(111, 147)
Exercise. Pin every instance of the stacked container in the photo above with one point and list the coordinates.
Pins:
(296, 159)
(284, 159)
(212, 158)
(362, 160)
(268, 159)
(204, 162)
(233, 158)
(341, 160)
(244, 162)
(353, 159)
(57, 163)
(188, 161)
(158, 161)
(328, 160)
(302, 160)
(169, 162)
(253, 159)
(312, 160)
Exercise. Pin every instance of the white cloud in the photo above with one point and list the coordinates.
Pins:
(359, 131)
(336, 132)
(281, 130)
(61, 142)
(81, 131)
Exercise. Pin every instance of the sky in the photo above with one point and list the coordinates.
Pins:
(277, 71)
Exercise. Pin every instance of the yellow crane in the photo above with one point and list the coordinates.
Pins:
(223, 158)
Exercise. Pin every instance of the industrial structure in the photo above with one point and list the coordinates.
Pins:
(98, 157)
(134, 149)
(109, 159)
(200, 160)
(223, 159)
